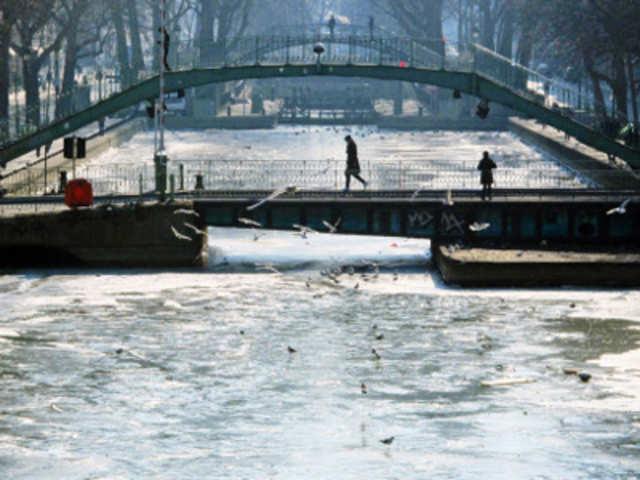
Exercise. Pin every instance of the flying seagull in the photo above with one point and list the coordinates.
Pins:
(478, 227)
(268, 267)
(448, 201)
(275, 194)
(621, 209)
(180, 236)
(184, 211)
(421, 188)
(195, 229)
(334, 227)
(248, 221)
(375, 354)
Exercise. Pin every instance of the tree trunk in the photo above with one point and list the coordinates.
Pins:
(30, 68)
(5, 35)
(488, 27)
(137, 60)
(205, 39)
(506, 32)
(619, 87)
(434, 24)
(599, 106)
(634, 93)
(121, 43)
(64, 105)
(156, 21)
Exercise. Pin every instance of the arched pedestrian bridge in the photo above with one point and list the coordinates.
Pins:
(473, 70)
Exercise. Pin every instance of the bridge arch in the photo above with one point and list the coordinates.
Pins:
(465, 82)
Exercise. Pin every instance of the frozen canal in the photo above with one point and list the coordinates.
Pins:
(187, 374)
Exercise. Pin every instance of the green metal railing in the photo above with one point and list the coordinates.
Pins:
(344, 50)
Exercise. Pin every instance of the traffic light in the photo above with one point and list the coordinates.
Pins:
(68, 147)
(78, 144)
(81, 147)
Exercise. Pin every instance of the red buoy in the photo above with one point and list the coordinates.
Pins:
(78, 193)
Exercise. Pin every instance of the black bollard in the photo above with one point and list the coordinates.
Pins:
(199, 182)
(63, 181)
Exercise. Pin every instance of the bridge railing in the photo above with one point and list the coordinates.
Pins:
(239, 175)
(339, 50)
(553, 93)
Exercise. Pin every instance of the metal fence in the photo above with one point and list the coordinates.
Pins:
(239, 175)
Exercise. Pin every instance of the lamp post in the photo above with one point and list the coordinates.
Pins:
(160, 155)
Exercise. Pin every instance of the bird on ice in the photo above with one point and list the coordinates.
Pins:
(303, 230)
(387, 441)
(257, 236)
(620, 209)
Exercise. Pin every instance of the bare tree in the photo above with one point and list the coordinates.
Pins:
(419, 19)
(29, 24)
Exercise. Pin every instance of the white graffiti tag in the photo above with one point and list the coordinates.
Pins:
(420, 219)
(450, 222)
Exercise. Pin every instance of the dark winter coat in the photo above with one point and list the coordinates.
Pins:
(485, 166)
(352, 156)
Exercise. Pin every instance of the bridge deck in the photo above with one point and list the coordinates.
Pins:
(521, 216)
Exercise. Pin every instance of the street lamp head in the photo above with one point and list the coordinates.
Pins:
(318, 49)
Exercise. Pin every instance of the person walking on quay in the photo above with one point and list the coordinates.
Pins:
(353, 165)
(486, 166)
(332, 24)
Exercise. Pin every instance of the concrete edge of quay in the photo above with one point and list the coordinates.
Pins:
(592, 165)
(158, 235)
(469, 266)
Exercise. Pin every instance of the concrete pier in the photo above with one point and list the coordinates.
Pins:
(132, 235)
(469, 266)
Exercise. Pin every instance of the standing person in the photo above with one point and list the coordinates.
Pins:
(486, 166)
(353, 165)
(371, 26)
(332, 24)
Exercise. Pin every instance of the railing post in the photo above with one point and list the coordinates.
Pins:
(349, 59)
(474, 54)
(288, 43)
(257, 50)
(182, 177)
(412, 54)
